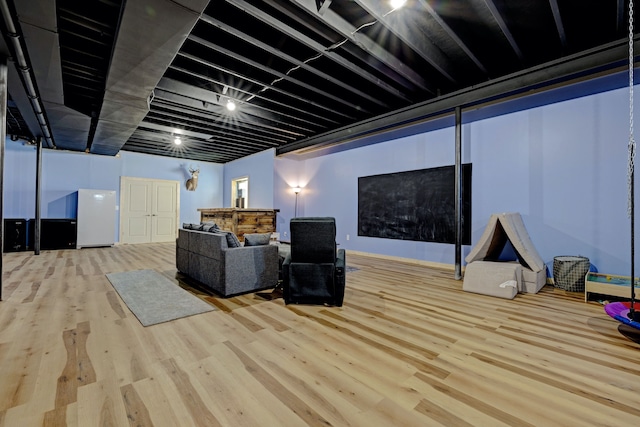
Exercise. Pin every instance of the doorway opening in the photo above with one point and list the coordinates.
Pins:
(240, 192)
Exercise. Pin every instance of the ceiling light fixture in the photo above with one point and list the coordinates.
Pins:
(397, 4)
(231, 105)
(177, 140)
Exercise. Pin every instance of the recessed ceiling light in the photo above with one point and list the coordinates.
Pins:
(231, 105)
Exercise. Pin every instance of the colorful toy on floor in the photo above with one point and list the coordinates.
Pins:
(629, 327)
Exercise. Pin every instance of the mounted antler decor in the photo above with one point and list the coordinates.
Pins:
(192, 182)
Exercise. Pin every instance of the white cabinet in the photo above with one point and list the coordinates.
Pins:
(96, 218)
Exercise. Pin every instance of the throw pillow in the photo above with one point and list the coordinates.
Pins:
(232, 240)
(188, 226)
(260, 239)
(211, 227)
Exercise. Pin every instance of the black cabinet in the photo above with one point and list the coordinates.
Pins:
(56, 233)
(15, 235)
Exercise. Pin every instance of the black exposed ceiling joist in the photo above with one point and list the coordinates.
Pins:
(181, 154)
(559, 25)
(205, 126)
(151, 138)
(73, 67)
(271, 101)
(319, 48)
(621, 17)
(322, 6)
(290, 59)
(436, 17)
(69, 33)
(279, 75)
(607, 56)
(203, 153)
(245, 145)
(99, 28)
(365, 46)
(424, 47)
(265, 121)
(233, 144)
(265, 86)
(190, 116)
(504, 28)
(264, 41)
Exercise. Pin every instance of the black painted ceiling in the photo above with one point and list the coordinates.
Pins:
(132, 75)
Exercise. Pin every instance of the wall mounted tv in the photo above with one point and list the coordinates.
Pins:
(414, 205)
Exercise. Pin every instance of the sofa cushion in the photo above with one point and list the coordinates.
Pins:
(257, 239)
(498, 279)
(232, 240)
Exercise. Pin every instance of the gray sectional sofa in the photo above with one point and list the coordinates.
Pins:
(207, 258)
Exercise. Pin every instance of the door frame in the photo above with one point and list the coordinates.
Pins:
(124, 180)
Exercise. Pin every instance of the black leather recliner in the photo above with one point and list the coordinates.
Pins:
(314, 271)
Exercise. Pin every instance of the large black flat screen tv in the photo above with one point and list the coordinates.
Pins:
(414, 205)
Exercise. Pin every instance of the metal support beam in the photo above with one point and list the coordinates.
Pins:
(3, 138)
(36, 228)
(458, 194)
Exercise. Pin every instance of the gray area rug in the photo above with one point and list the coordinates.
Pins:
(153, 298)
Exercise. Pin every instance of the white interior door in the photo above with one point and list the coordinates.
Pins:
(148, 210)
(163, 216)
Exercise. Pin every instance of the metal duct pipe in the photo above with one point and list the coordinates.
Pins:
(28, 79)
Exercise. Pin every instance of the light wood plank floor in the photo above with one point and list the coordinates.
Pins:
(408, 348)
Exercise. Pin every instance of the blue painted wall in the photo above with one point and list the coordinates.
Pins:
(287, 174)
(63, 173)
(259, 168)
(559, 158)
(561, 163)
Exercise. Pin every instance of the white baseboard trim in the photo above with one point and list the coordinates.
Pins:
(433, 264)
(439, 265)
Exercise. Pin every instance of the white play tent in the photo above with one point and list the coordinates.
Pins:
(484, 272)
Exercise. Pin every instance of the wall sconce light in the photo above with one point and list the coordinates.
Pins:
(297, 191)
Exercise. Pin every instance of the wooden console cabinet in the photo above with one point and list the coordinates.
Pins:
(241, 221)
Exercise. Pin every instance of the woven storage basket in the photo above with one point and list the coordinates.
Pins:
(569, 272)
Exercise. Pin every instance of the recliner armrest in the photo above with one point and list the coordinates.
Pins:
(341, 262)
